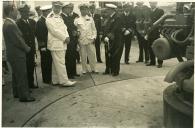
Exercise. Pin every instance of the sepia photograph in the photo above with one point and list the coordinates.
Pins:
(97, 63)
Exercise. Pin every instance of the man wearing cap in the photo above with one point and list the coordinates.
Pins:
(42, 38)
(128, 19)
(16, 50)
(142, 16)
(27, 27)
(113, 33)
(68, 16)
(39, 13)
(97, 19)
(57, 43)
(86, 27)
(154, 34)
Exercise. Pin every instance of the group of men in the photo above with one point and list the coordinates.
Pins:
(62, 35)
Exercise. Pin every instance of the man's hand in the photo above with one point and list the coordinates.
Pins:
(106, 39)
(43, 49)
(127, 32)
(67, 40)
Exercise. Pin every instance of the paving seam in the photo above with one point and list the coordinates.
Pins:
(71, 94)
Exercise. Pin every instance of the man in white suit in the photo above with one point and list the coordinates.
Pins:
(57, 40)
(86, 27)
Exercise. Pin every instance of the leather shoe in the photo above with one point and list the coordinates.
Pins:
(138, 61)
(150, 64)
(115, 74)
(29, 99)
(71, 77)
(99, 61)
(94, 72)
(34, 87)
(77, 75)
(126, 62)
(159, 66)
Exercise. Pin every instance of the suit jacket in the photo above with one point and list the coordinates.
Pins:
(113, 28)
(128, 22)
(41, 33)
(72, 29)
(154, 16)
(98, 24)
(15, 44)
(28, 31)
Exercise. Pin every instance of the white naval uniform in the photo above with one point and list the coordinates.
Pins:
(57, 33)
(88, 33)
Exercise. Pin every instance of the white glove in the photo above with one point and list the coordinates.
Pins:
(126, 32)
(146, 37)
(43, 49)
(106, 39)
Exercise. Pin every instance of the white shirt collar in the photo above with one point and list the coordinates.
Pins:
(11, 20)
(112, 14)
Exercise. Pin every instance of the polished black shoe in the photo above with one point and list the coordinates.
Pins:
(159, 66)
(126, 62)
(94, 72)
(77, 75)
(99, 61)
(138, 61)
(115, 74)
(29, 99)
(34, 87)
(71, 77)
(150, 64)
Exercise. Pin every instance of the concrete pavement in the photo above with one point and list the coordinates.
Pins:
(132, 99)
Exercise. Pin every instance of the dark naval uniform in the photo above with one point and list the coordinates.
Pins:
(27, 27)
(154, 34)
(97, 20)
(128, 25)
(71, 52)
(46, 59)
(142, 14)
(113, 49)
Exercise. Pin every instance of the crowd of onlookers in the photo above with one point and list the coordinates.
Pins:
(64, 37)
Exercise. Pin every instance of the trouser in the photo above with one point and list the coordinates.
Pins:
(59, 75)
(30, 63)
(127, 45)
(151, 53)
(77, 56)
(19, 78)
(70, 60)
(88, 51)
(142, 47)
(46, 66)
(97, 47)
(107, 58)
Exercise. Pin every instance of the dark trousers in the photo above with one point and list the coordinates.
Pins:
(127, 45)
(143, 48)
(70, 58)
(116, 53)
(151, 53)
(107, 59)
(77, 56)
(46, 66)
(97, 47)
(30, 63)
(19, 78)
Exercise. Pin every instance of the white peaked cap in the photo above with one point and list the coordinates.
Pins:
(111, 6)
(46, 7)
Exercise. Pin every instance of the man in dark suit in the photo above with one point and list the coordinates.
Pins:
(113, 40)
(97, 20)
(27, 27)
(69, 16)
(142, 12)
(128, 19)
(16, 50)
(154, 34)
(42, 34)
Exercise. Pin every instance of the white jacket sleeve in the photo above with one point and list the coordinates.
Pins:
(60, 33)
(94, 31)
